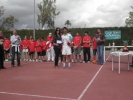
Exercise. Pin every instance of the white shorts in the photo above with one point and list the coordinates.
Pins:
(25, 50)
(66, 51)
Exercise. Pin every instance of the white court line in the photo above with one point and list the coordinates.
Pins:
(86, 88)
(38, 96)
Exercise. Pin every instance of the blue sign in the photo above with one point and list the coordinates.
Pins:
(112, 34)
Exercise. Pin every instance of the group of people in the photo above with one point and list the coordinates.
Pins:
(60, 47)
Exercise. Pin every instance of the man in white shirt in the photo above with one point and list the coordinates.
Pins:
(66, 48)
(15, 48)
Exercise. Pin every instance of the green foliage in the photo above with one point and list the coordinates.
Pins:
(47, 14)
(6, 23)
(129, 21)
(126, 32)
(67, 23)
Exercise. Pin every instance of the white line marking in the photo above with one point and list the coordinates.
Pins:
(38, 96)
(86, 88)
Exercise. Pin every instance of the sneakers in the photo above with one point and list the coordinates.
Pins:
(72, 60)
(6, 60)
(69, 66)
(63, 66)
(36, 60)
(88, 61)
(30, 60)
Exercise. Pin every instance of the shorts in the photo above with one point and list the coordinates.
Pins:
(25, 50)
(31, 53)
(44, 53)
(94, 52)
(39, 53)
(7, 51)
(66, 51)
(72, 49)
(77, 51)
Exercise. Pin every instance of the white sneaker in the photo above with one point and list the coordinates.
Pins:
(88, 61)
(83, 61)
(72, 60)
(59, 61)
(33, 60)
(36, 60)
(75, 61)
(24, 59)
(30, 60)
(6, 60)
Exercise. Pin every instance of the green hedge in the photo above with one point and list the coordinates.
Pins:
(127, 33)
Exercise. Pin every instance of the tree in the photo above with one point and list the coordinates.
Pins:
(48, 13)
(6, 23)
(67, 23)
(129, 21)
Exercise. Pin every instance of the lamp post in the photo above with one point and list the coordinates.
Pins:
(34, 21)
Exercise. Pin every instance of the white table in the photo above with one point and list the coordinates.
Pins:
(119, 54)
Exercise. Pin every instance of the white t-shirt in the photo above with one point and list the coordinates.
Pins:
(65, 39)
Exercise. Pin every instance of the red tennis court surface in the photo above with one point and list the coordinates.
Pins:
(40, 81)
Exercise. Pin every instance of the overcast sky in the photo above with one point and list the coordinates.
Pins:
(81, 13)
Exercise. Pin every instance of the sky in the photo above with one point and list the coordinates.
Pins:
(81, 13)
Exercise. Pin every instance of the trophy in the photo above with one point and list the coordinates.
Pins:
(125, 43)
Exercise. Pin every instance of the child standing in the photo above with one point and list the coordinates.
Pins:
(39, 50)
(7, 44)
(44, 47)
(25, 48)
(94, 47)
(32, 49)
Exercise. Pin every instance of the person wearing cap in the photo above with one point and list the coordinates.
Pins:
(50, 49)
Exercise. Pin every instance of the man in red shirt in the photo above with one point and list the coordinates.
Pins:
(32, 49)
(7, 44)
(94, 47)
(38, 50)
(44, 47)
(86, 47)
(77, 46)
(25, 44)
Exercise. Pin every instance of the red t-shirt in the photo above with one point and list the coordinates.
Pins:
(7, 44)
(44, 46)
(94, 43)
(38, 46)
(25, 44)
(32, 46)
(86, 38)
(50, 39)
(77, 40)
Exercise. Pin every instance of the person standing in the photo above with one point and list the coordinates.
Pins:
(1, 51)
(7, 44)
(94, 47)
(25, 45)
(50, 49)
(39, 50)
(100, 46)
(57, 46)
(43, 42)
(77, 46)
(66, 48)
(86, 47)
(15, 47)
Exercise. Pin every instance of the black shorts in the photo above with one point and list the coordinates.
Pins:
(72, 49)
(31, 53)
(39, 53)
(7, 51)
(44, 53)
(94, 52)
